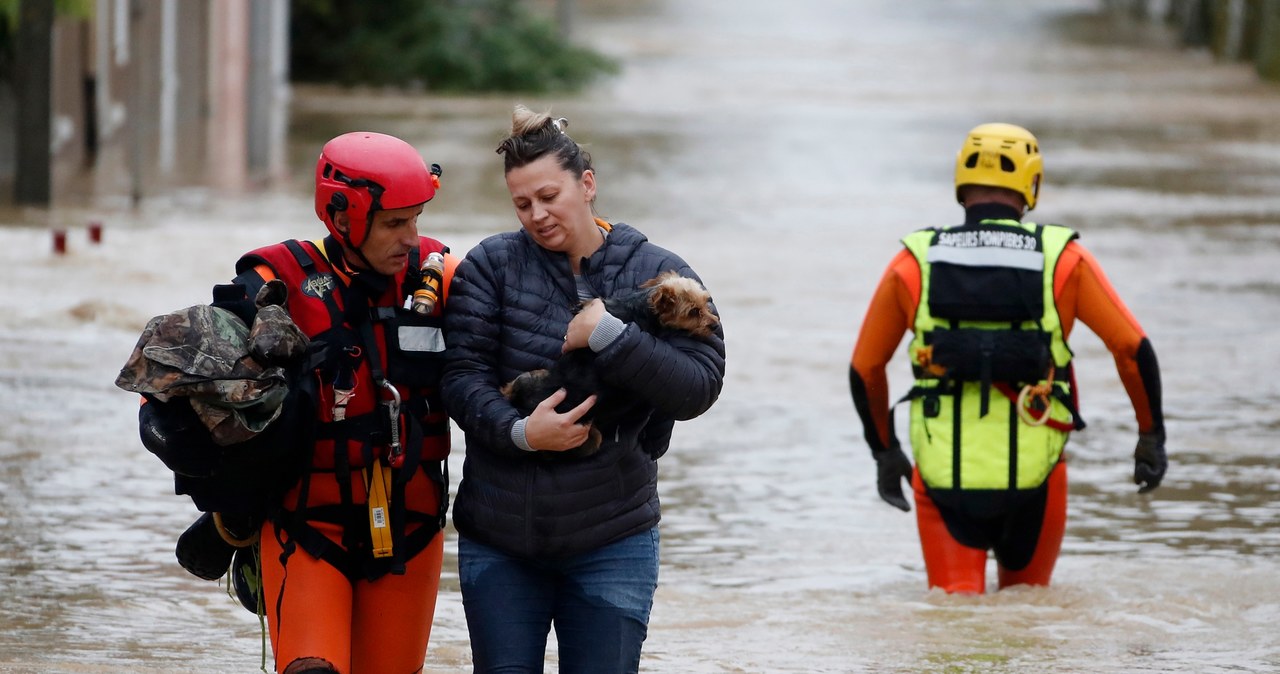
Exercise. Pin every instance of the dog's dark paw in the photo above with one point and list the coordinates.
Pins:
(592, 444)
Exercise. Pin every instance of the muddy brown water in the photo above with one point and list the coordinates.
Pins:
(783, 150)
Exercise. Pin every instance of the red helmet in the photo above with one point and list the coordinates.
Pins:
(364, 172)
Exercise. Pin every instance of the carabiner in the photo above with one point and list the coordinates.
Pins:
(396, 455)
(1023, 405)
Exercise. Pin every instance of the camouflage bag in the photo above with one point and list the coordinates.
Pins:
(234, 376)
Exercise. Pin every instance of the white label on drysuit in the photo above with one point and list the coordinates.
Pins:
(420, 338)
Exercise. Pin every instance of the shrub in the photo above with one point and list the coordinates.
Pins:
(442, 45)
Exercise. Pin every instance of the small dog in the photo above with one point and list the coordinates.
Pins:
(668, 301)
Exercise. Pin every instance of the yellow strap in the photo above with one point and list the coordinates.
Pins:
(379, 512)
(319, 244)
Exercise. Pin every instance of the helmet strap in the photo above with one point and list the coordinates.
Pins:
(339, 201)
(349, 249)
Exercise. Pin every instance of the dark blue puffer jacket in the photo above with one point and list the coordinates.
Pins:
(509, 305)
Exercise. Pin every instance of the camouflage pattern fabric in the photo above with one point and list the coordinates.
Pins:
(233, 375)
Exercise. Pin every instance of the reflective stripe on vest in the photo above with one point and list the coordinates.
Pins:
(955, 445)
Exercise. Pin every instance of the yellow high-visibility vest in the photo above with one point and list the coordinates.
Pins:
(964, 433)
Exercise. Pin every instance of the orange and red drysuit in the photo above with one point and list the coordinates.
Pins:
(955, 544)
(351, 585)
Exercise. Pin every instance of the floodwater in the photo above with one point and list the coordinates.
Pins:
(782, 148)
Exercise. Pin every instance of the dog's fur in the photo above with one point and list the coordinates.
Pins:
(666, 302)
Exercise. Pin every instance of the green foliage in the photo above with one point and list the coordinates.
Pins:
(442, 45)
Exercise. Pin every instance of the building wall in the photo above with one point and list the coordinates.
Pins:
(152, 96)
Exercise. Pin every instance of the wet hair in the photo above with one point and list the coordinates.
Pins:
(537, 134)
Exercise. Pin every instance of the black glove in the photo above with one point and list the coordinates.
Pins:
(891, 467)
(1149, 461)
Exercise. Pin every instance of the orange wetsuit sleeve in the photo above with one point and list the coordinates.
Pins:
(1082, 291)
(451, 262)
(267, 273)
(889, 317)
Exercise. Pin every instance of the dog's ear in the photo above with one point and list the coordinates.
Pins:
(663, 300)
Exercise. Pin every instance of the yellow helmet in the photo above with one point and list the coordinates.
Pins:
(1001, 155)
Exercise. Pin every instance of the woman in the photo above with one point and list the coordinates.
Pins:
(547, 538)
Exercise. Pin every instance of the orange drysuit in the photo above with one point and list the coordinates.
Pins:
(351, 567)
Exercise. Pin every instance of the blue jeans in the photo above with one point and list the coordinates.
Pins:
(599, 602)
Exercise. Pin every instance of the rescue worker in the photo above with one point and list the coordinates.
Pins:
(991, 304)
(351, 558)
